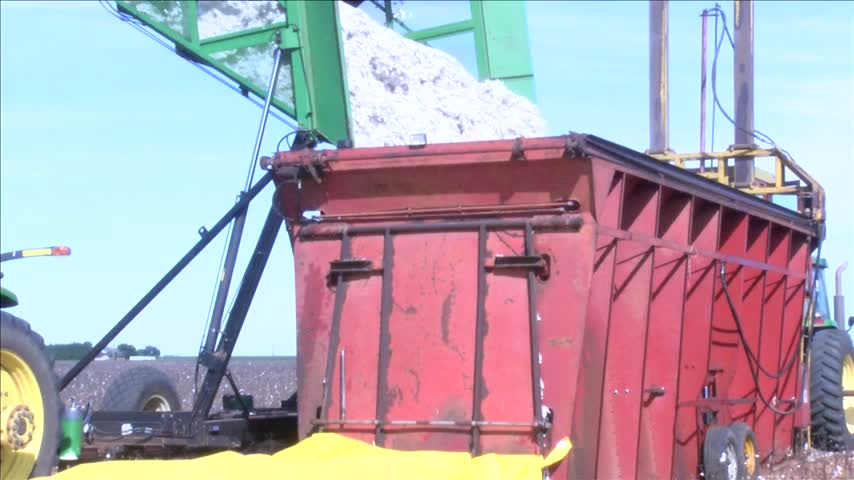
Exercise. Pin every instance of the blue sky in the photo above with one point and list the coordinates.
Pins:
(121, 150)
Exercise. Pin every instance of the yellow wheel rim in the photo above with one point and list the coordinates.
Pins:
(749, 457)
(21, 417)
(848, 384)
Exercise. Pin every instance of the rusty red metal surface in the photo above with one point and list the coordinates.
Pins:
(497, 296)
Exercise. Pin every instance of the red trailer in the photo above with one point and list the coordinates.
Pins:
(496, 296)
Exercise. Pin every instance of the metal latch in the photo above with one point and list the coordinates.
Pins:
(655, 390)
(540, 264)
(349, 267)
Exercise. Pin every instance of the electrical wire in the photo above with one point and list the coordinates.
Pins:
(752, 359)
(754, 373)
(740, 330)
(716, 12)
(279, 145)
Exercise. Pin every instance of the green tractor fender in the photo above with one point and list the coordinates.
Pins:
(7, 298)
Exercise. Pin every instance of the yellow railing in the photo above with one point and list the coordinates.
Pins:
(720, 169)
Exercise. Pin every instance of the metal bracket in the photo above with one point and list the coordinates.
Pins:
(540, 264)
(655, 391)
(349, 267)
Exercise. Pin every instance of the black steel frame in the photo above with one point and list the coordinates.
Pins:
(198, 428)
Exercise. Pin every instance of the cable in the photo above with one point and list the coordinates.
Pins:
(725, 33)
(750, 354)
(752, 360)
(279, 145)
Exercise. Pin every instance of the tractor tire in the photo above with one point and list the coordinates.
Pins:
(141, 389)
(30, 402)
(720, 455)
(832, 372)
(748, 453)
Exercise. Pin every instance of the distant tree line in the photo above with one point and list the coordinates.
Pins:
(76, 351)
(69, 351)
(126, 350)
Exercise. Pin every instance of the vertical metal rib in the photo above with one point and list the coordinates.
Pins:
(385, 341)
(480, 331)
(535, 340)
(334, 332)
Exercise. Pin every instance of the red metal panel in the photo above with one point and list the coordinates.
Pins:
(755, 302)
(789, 393)
(562, 309)
(726, 355)
(629, 304)
(621, 395)
(359, 340)
(432, 335)
(585, 419)
(693, 362)
(655, 447)
(506, 354)
(778, 248)
(311, 264)
(370, 190)
(747, 244)
(623, 385)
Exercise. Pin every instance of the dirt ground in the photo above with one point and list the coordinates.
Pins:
(273, 380)
(813, 465)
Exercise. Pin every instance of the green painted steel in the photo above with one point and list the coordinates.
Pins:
(7, 298)
(501, 45)
(320, 84)
(506, 53)
(311, 87)
(822, 307)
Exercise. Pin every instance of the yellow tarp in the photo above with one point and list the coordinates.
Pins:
(326, 456)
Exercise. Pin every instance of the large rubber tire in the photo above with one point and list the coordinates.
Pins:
(720, 455)
(748, 452)
(832, 414)
(141, 389)
(19, 340)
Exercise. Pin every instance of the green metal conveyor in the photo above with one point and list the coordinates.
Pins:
(238, 40)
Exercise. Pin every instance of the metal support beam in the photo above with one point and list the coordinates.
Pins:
(659, 125)
(743, 88)
(217, 362)
(240, 220)
(207, 237)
